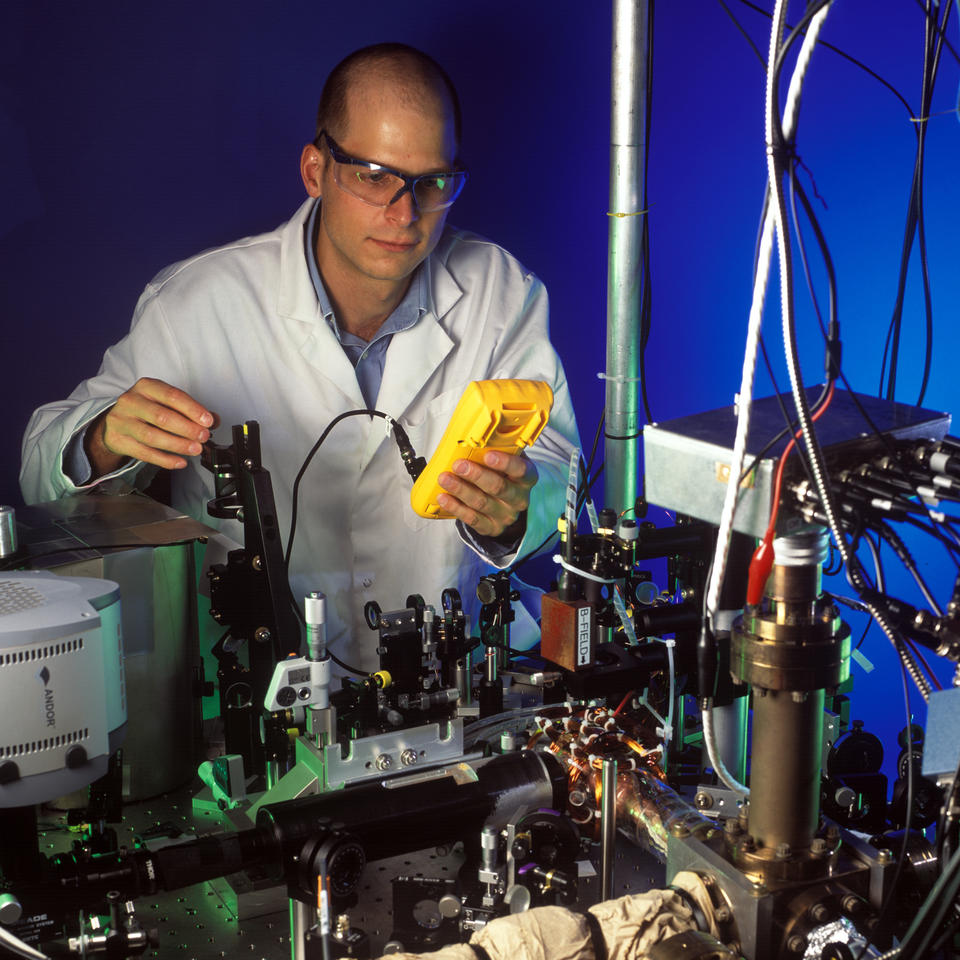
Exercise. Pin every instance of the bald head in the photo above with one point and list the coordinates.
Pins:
(394, 70)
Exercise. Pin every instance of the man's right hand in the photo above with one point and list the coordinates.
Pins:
(153, 422)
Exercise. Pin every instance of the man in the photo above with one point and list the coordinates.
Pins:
(364, 299)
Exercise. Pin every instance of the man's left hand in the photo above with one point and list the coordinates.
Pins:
(491, 496)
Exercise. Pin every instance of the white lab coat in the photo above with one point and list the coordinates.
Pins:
(239, 329)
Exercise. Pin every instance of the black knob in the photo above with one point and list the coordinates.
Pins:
(9, 772)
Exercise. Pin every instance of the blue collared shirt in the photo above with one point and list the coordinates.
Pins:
(367, 357)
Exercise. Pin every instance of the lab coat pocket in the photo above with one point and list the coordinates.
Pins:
(431, 411)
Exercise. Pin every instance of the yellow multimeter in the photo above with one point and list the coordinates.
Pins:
(505, 415)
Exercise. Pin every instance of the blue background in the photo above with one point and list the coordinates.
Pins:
(135, 134)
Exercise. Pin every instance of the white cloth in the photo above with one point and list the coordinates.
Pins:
(630, 925)
(239, 329)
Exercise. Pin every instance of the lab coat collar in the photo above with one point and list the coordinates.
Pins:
(296, 298)
(444, 291)
(413, 356)
(298, 308)
(416, 353)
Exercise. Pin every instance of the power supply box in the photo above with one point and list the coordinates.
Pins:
(687, 460)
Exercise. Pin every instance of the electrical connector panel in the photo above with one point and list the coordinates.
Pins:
(687, 460)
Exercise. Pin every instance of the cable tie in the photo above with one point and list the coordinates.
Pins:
(580, 573)
(644, 702)
(930, 116)
(618, 379)
(636, 213)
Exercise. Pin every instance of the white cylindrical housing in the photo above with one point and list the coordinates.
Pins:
(315, 617)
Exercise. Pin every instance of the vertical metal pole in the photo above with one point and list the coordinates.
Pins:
(631, 52)
(8, 531)
(302, 918)
(503, 651)
(491, 686)
(608, 827)
(272, 773)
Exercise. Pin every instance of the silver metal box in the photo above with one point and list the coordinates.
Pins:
(687, 461)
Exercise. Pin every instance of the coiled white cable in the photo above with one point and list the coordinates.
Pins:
(765, 255)
(745, 396)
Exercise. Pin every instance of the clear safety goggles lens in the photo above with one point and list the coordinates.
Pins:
(380, 188)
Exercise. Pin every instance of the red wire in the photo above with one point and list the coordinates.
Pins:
(762, 562)
(624, 702)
